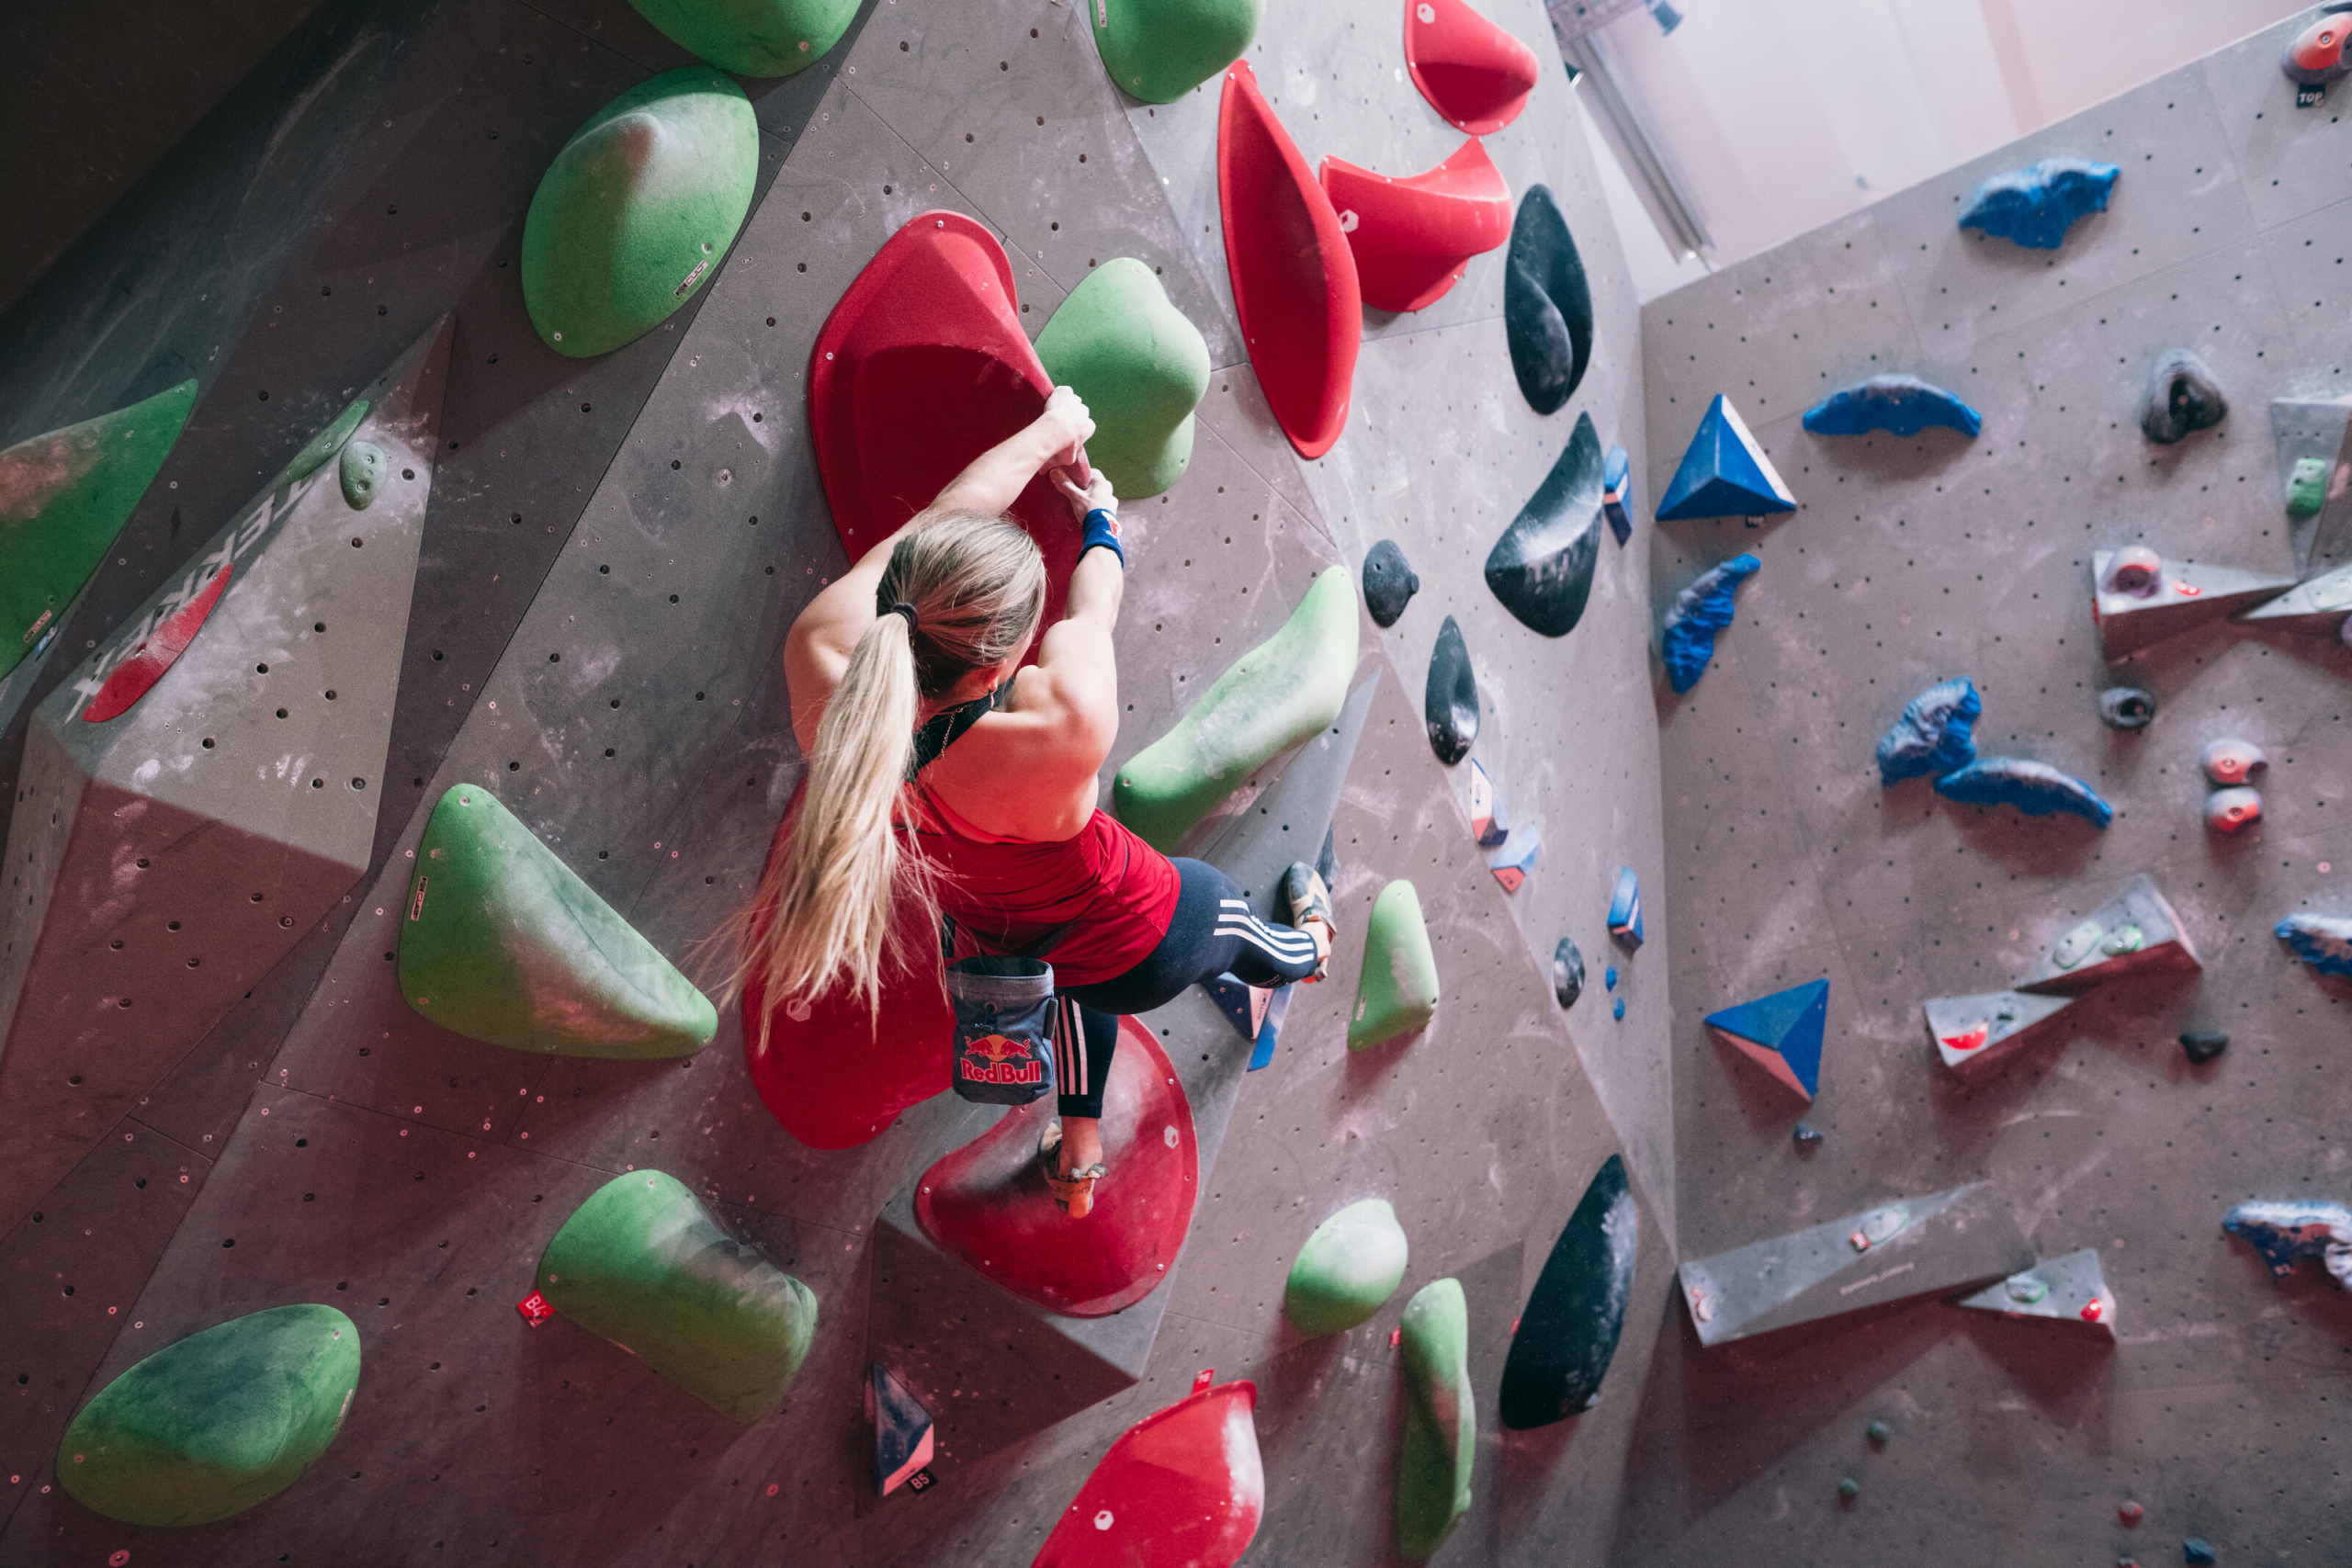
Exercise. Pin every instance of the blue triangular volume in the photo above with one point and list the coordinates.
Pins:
(1724, 473)
(1787, 1025)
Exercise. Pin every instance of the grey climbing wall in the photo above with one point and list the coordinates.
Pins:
(1910, 560)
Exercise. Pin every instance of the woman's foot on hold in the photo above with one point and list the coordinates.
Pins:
(1071, 1152)
(1310, 911)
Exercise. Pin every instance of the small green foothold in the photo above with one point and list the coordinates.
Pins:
(324, 444)
(1158, 50)
(1440, 1446)
(361, 470)
(1878, 1431)
(501, 942)
(208, 1427)
(1849, 1489)
(642, 1264)
(753, 38)
(1348, 1269)
(1277, 694)
(1140, 364)
(1396, 992)
(2307, 487)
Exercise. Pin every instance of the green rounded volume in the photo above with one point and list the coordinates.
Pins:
(1397, 993)
(1158, 50)
(223, 1420)
(500, 942)
(753, 38)
(361, 471)
(1276, 696)
(1140, 364)
(642, 1264)
(1348, 1269)
(324, 444)
(1433, 1464)
(634, 215)
(63, 498)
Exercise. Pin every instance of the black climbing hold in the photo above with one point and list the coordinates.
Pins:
(1878, 1432)
(1450, 707)
(1388, 582)
(1569, 1334)
(2182, 396)
(1567, 972)
(1547, 305)
(2204, 1044)
(2126, 707)
(2195, 1551)
(1807, 1136)
(1542, 566)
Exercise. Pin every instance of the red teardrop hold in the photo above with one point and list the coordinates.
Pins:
(1294, 276)
(1472, 72)
(836, 1077)
(921, 367)
(1181, 1488)
(1413, 236)
(133, 677)
(988, 1202)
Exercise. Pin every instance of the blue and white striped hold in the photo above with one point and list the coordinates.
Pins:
(1617, 493)
(1934, 737)
(1625, 911)
(2035, 788)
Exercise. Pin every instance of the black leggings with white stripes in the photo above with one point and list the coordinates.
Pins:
(1212, 933)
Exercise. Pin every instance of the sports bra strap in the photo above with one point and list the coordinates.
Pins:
(947, 726)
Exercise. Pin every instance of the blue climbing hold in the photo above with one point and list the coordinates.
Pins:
(2323, 941)
(902, 1434)
(1699, 611)
(2035, 788)
(1724, 473)
(1269, 1033)
(2285, 1231)
(2035, 206)
(1781, 1033)
(1625, 911)
(1900, 405)
(1618, 1010)
(1617, 493)
(2195, 1551)
(1243, 1004)
(1933, 737)
(1515, 857)
(1609, 977)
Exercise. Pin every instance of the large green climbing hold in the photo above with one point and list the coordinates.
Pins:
(636, 212)
(502, 943)
(1141, 366)
(1440, 1419)
(1276, 696)
(64, 497)
(753, 38)
(642, 1264)
(1396, 992)
(1158, 50)
(223, 1420)
(1348, 1269)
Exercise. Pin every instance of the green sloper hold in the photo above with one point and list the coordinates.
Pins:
(1396, 992)
(642, 1264)
(1348, 1269)
(634, 214)
(64, 497)
(212, 1425)
(753, 38)
(1158, 50)
(324, 444)
(360, 471)
(1276, 696)
(1440, 1419)
(502, 943)
(1141, 366)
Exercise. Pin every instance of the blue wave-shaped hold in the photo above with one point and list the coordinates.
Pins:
(2323, 941)
(1699, 611)
(1901, 405)
(2285, 1231)
(1934, 734)
(2035, 788)
(2035, 206)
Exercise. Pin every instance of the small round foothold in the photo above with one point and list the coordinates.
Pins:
(2131, 1512)
(1849, 1489)
(2228, 811)
(2126, 707)
(2203, 1044)
(2137, 570)
(1619, 1010)
(2231, 762)
(1878, 1432)
(1806, 1135)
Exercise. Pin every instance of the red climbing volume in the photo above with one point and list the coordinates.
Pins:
(1412, 237)
(1472, 72)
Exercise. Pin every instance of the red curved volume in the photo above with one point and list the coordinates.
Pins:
(988, 1203)
(161, 649)
(921, 367)
(1472, 72)
(1182, 1488)
(1413, 236)
(831, 1074)
(1294, 276)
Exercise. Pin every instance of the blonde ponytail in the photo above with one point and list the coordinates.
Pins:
(823, 914)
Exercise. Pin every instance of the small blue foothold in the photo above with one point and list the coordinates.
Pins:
(1933, 737)
(1617, 493)
(1620, 1008)
(1625, 911)
(1724, 473)
(1609, 976)
(2035, 788)
(1701, 610)
(1900, 405)
(2035, 206)
(2195, 1551)
(1806, 1135)
(2323, 941)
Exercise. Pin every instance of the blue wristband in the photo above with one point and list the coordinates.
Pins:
(1102, 529)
